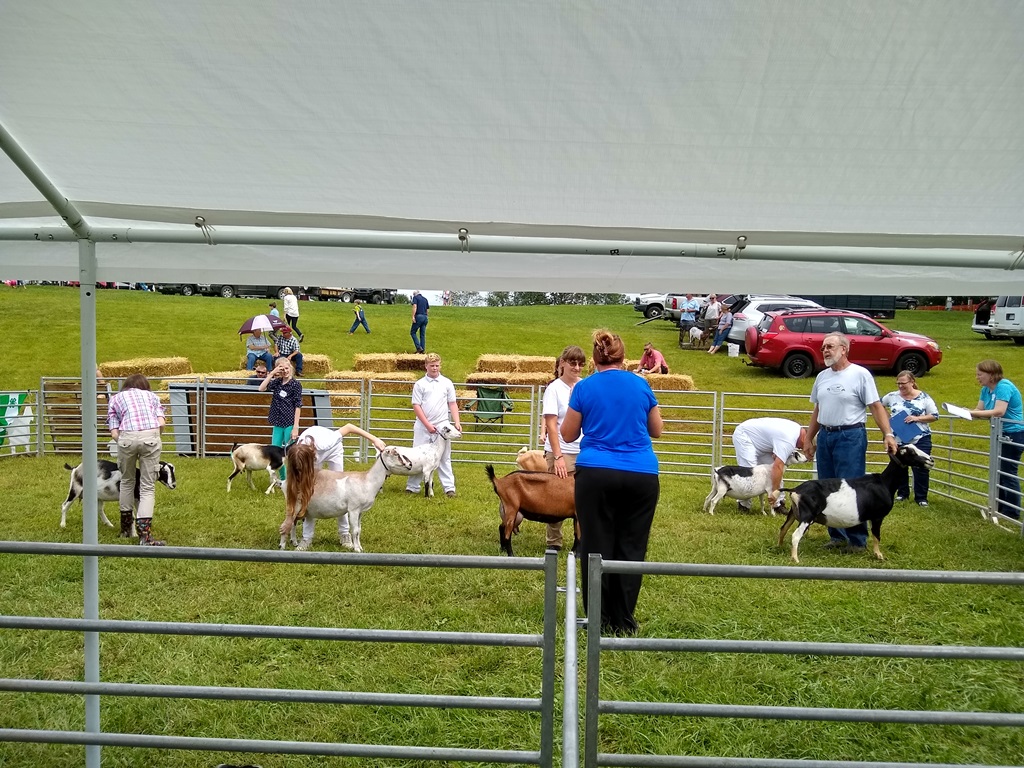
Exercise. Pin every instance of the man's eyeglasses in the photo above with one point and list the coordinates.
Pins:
(826, 347)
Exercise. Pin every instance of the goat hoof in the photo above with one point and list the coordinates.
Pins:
(302, 546)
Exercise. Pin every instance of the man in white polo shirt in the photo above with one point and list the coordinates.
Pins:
(434, 403)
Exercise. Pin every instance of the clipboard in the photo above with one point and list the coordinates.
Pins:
(906, 431)
(956, 410)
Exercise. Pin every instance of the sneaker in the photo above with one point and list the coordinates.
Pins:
(901, 498)
(744, 505)
(922, 503)
(855, 548)
(450, 494)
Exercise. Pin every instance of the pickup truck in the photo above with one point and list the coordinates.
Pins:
(651, 304)
(348, 295)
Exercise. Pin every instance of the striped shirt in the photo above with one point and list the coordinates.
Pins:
(134, 410)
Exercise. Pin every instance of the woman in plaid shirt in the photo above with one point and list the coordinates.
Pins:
(135, 418)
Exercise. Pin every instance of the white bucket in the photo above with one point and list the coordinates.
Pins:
(734, 350)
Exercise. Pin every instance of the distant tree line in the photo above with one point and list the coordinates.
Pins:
(531, 298)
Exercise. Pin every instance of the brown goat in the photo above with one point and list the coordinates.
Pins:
(543, 497)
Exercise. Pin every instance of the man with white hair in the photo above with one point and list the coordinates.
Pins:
(841, 393)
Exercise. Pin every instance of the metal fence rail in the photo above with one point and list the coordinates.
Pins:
(545, 641)
(596, 644)
(207, 417)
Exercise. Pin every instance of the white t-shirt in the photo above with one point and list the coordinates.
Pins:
(760, 441)
(556, 403)
(323, 438)
(842, 396)
(433, 396)
(713, 312)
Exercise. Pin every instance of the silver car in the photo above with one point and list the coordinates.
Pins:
(749, 310)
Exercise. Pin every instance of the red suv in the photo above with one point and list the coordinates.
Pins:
(791, 341)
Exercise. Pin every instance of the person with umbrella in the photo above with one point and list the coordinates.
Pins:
(258, 346)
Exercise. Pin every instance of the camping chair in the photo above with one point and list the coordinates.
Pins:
(490, 407)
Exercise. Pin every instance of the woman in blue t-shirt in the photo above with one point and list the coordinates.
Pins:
(616, 473)
(999, 397)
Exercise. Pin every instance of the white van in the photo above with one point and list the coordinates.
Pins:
(1008, 319)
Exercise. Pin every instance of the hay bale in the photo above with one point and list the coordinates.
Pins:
(150, 367)
(672, 381)
(515, 364)
(488, 377)
(384, 381)
(378, 362)
(386, 362)
(345, 401)
(501, 379)
(315, 365)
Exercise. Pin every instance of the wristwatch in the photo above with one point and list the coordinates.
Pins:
(558, 457)
(890, 434)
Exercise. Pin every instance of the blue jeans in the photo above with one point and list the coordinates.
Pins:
(357, 323)
(844, 454)
(721, 336)
(921, 474)
(252, 357)
(1009, 483)
(419, 324)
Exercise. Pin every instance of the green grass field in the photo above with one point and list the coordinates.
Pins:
(946, 536)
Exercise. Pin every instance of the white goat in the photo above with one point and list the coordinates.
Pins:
(312, 493)
(744, 483)
(423, 459)
(253, 457)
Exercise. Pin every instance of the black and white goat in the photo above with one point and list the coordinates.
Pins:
(253, 457)
(846, 503)
(745, 483)
(108, 486)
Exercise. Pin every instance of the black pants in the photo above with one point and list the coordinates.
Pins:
(293, 321)
(615, 510)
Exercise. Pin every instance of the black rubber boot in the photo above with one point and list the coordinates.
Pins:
(127, 519)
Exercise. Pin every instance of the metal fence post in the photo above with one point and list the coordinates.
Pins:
(994, 435)
(593, 691)
(547, 683)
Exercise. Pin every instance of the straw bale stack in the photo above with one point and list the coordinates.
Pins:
(674, 381)
(316, 366)
(345, 401)
(394, 381)
(499, 378)
(385, 362)
(150, 367)
(515, 363)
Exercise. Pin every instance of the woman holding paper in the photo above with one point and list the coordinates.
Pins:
(910, 413)
(999, 397)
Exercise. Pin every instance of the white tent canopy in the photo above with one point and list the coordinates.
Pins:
(584, 146)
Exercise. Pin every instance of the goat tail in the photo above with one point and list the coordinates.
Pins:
(68, 467)
(301, 459)
(489, 469)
